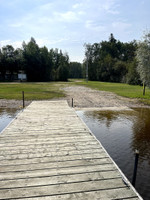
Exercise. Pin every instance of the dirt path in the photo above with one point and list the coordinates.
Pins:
(88, 98)
(83, 98)
(17, 104)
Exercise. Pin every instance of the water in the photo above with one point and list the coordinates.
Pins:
(121, 133)
(6, 116)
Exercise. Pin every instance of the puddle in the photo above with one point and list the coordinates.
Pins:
(121, 133)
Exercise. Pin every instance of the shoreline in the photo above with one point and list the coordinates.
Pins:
(16, 104)
(85, 98)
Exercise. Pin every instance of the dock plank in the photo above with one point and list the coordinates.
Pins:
(64, 188)
(47, 152)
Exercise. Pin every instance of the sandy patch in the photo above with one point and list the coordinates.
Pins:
(84, 97)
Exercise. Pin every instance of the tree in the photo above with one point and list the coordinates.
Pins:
(39, 64)
(143, 58)
(92, 57)
(8, 62)
(46, 63)
(75, 70)
(110, 60)
(63, 69)
(31, 52)
(132, 77)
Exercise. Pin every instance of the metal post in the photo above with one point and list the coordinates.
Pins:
(72, 102)
(23, 99)
(135, 167)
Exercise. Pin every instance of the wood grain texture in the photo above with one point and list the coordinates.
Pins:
(47, 152)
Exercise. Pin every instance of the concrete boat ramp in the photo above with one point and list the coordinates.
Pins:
(48, 153)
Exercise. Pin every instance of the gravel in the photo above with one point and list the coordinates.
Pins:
(83, 97)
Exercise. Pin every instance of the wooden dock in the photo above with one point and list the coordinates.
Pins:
(48, 153)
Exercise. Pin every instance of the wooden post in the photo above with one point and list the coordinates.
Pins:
(23, 99)
(135, 167)
(143, 89)
(72, 102)
(87, 76)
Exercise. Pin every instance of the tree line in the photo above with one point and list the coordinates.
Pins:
(108, 61)
(112, 61)
(39, 64)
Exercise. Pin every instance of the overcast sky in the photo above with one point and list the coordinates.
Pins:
(68, 24)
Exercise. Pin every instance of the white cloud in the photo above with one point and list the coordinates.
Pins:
(46, 7)
(81, 13)
(122, 30)
(45, 41)
(4, 43)
(69, 24)
(15, 44)
(45, 20)
(121, 25)
(40, 41)
(78, 5)
(111, 7)
(68, 16)
(16, 25)
(89, 24)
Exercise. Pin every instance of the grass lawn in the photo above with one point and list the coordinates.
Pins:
(50, 90)
(125, 90)
(32, 91)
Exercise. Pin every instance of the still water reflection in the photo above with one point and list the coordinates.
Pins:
(6, 116)
(121, 133)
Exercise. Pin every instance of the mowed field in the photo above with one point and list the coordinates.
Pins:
(121, 89)
(32, 91)
(50, 90)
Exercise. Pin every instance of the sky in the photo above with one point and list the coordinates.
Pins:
(69, 24)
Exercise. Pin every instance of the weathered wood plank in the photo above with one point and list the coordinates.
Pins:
(116, 194)
(88, 162)
(49, 153)
(47, 180)
(55, 171)
(62, 188)
(52, 159)
(50, 148)
(51, 145)
(46, 140)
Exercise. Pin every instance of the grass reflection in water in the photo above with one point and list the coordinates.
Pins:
(121, 132)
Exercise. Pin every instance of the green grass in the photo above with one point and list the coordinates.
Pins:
(33, 91)
(50, 90)
(121, 89)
